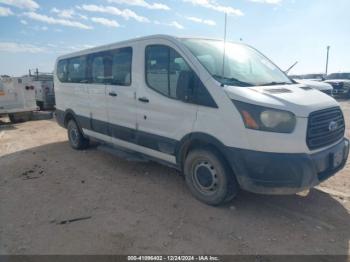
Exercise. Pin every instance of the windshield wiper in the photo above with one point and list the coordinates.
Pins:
(275, 84)
(231, 80)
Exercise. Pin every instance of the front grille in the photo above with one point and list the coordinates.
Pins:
(328, 92)
(337, 85)
(325, 127)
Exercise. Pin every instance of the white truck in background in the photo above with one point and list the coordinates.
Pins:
(44, 90)
(17, 98)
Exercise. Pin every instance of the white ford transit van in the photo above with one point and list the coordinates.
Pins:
(227, 123)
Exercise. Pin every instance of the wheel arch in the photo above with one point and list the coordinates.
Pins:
(69, 115)
(199, 139)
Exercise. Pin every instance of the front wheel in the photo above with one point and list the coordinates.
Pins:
(75, 136)
(209, 178)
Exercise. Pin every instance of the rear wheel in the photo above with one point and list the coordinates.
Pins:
(75, 136)
(209, 178)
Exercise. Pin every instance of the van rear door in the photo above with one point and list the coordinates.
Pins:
(8, 95)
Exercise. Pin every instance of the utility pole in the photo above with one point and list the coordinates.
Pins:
(224, 54)
(328, 47)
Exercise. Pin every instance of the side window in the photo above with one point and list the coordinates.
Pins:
(62, 70)
(157, 68)
(165, 69)
(98, 67)
(77, 70)
(169, 74)
(120, 67)
(178, 69)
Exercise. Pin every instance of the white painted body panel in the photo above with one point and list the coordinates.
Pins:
(321, 86)
(14, 97)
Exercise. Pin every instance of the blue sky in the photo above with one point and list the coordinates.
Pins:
(34, 32)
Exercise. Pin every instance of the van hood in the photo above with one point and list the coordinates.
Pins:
(322, 86)
(298, 99)
(337, 81)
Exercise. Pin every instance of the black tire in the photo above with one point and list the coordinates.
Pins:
(40, 105)
(13, 118)
(75, 136)
(209, 178)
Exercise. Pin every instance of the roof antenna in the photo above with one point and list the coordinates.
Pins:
(224, 55)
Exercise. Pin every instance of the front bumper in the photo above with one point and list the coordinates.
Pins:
(340, 90)
(277, 173)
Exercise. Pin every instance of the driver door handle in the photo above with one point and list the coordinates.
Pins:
(112, 94)
(144, 100)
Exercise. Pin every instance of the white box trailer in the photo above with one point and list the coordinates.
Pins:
(17, 98)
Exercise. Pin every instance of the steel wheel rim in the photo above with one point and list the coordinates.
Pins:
(205, 178)
(73, 134)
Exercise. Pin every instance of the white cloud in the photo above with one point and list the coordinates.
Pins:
(212, 4)
(23, 4)
(125, 13)
(55, 21)
(12, 47)
(201, 21)
(68, 13)
(24, 22)
(141, 3)
(105, 21)
(65, 13)
(176, 25)
(83, 17)
(40, 28)
(172, 24)
(5, 11)
(271, 2)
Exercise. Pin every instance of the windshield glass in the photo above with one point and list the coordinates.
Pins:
(339, 76)
(244, 66)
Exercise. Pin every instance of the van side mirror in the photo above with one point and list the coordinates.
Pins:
(185, 86)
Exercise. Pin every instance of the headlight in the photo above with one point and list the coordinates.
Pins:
(266, 119)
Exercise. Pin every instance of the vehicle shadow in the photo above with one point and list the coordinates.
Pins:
(128, 203)
(6, 125)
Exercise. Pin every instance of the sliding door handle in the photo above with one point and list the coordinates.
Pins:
(112, 94)
(144, 100)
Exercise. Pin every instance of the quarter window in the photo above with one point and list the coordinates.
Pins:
(62, 70)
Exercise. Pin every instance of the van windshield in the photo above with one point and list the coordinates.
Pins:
(244, 66)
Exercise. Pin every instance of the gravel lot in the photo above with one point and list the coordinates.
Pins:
(145, 208)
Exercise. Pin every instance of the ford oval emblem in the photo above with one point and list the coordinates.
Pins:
(332, 126)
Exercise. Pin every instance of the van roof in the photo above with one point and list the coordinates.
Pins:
(125, 42)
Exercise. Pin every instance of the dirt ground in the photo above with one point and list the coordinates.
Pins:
(145, 208)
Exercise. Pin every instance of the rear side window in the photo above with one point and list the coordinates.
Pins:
(62, 70)
(120, 71)
(107, 67)
(77, 70)
(98, 68)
